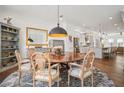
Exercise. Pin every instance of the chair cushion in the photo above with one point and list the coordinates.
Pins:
(87, 73)
(44, 75)
(75, 72)
(25, 67)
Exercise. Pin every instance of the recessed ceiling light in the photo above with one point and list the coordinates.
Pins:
(110, 18)
(115, 24)
(84, 24)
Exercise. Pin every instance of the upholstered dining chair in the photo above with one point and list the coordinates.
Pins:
(42, 69)
(84, 69)
(23, 64)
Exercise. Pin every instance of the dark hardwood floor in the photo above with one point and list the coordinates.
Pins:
(4, 74)
(113, 67)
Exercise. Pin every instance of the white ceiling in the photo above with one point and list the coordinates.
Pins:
(76, 15)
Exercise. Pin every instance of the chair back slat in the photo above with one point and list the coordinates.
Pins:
(30, 52)
(38, 61)
(89, 60)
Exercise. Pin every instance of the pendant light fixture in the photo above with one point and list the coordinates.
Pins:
(58, 31)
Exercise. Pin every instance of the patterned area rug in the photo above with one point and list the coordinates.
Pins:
(100, 80)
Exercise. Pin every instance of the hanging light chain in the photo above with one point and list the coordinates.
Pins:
(58, 14)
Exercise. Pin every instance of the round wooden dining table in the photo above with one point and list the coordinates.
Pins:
(67, 57)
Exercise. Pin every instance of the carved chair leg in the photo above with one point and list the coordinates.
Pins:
(69, 77)
(34, 81)
(58, 70)
(92, 78)
(58, 82)
(69, 71)
(20, 76)
(82, 82)
(123, 68)
(50, 83)
(68, 80)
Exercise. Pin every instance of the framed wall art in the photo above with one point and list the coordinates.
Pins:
(36, 37)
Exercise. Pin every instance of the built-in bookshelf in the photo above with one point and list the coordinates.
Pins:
(9, 42)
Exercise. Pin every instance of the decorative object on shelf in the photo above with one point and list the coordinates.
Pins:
(8, 20)
(58, 31)
(36, 37)
(11, 53)
(5, 54)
